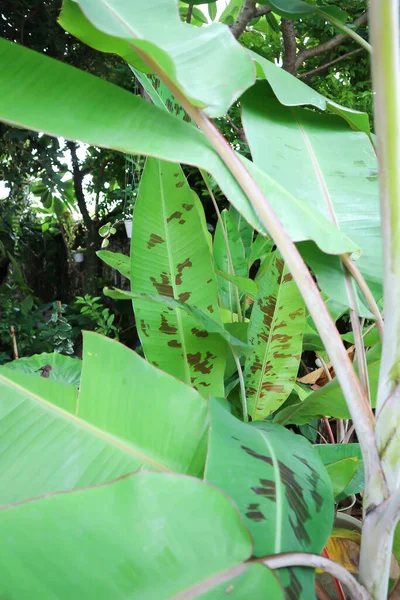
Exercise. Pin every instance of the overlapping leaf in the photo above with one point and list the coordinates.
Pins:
(275, 333)
(134, 537)
(195, 59)
(60, 367)
(279, 485)
(110, 430)
(170, 257)
(103, 115)
(232, 262)
(117, 261)
(329, 399)
(334, 454)
(329, 167)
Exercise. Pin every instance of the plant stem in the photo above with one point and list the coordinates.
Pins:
(315, 561)
(386, 82)
(366, 292)
(361, 413)
(226, 242)
(350, 32)
(242, 386)
(358, 337)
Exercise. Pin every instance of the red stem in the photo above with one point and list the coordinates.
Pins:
(329, 430)
(336, 582)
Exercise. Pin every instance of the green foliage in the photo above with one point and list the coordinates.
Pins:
(101, 317)
(217, 316)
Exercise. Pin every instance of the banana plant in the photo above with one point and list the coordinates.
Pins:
(129, 414)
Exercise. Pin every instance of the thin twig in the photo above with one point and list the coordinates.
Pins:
(321, 68)
(14, 342)
(189, 13)
(307, 53)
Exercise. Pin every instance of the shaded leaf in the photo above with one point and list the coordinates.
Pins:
(244, 284)
(329, 399)
(293, 9)
(275, 333)
(278, 483)
(117, 261)
(61, 368)
(222, 260)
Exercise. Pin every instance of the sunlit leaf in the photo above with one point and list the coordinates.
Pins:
(170, 257)
(134, 537)
(275, 333)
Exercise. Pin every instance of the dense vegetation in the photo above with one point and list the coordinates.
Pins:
(213, 436)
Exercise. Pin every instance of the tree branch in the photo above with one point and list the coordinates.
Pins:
(78, 188)
(189, 14)
(290, 47)
(247, 14)
(329, 44)
(324, 67)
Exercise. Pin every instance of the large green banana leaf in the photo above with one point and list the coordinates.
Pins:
(103, 115)
(132, 538)
(170, 256)
(276, 334)
(110, 430)
(279, 485)
(329, 167)
(194, 59)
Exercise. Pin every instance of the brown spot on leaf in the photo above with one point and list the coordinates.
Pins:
(296, 313)
(182, 222)
(175, 215)
(144, 327)
(200, 332)
(187, 207)
(294, 589)
(282, 337)
(174, 344)
(180, 184)
(163, 287)
(283, 324)
(267, 308)
(281, 355)
(166, 328)
(184, 296)
(209, 281)
(267, 489)
(176, 174)
(203, 366)
(256, 366)
(210, 308)
(287, 277)
(185, 265)
(268, 386)
(204, 384)
(154, 239)
(256, 516)
(294, 493)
